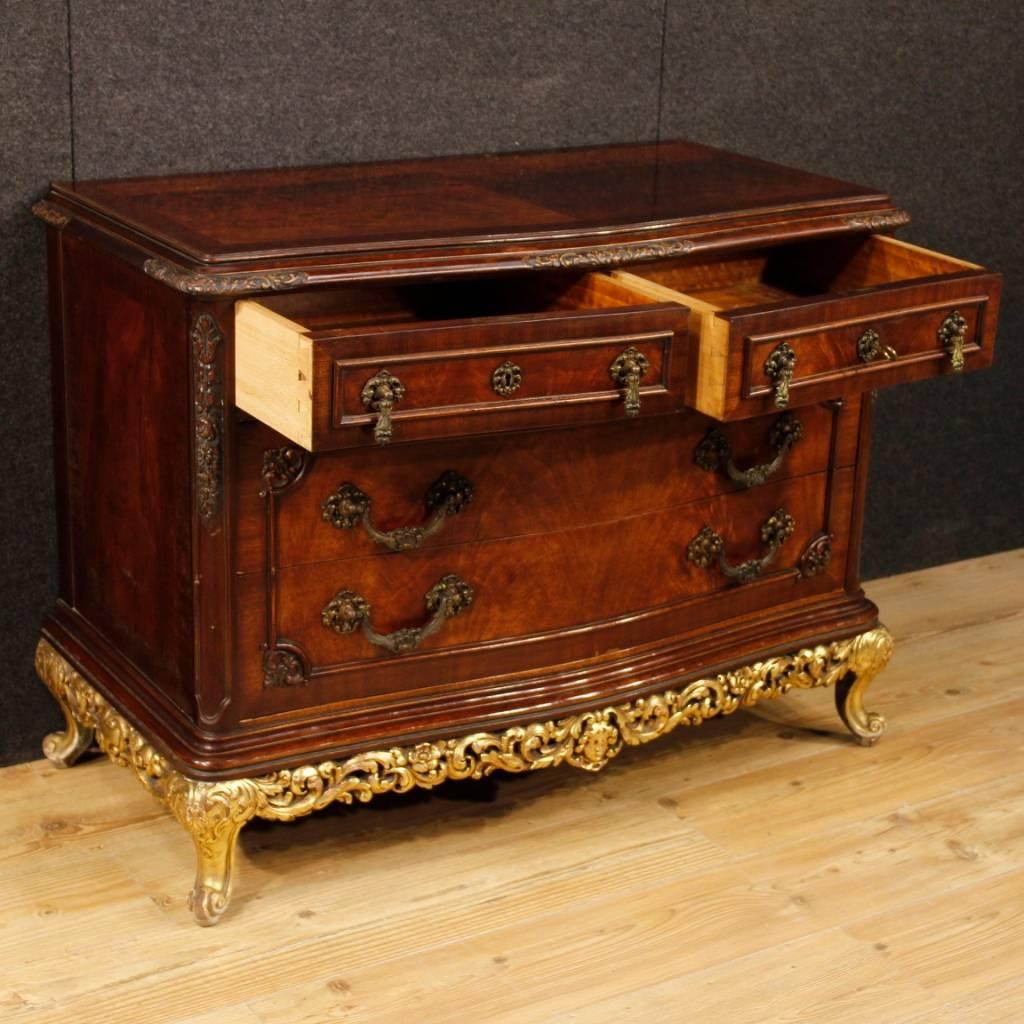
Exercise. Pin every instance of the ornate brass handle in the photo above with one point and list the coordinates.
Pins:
(447, 496)
(380, 394)
(708, 547)
(953, 335)
(778, 368)
(870, 347)
(714, 450)
(627, 370)
(348, 611)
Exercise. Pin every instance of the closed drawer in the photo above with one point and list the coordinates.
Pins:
(538, 600)
(363, 365)
(801, 323)
(358, 502)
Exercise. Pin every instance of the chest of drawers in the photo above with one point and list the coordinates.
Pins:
(372, 477)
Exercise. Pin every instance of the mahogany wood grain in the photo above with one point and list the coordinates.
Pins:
(427, 204)
(125, 370)
(540, 599)
(524, 484)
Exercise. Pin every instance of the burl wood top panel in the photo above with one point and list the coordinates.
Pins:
(504, 203)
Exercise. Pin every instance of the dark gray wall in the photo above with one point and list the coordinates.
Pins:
(920, 99)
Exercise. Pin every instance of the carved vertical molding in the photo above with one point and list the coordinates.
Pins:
(208, 399)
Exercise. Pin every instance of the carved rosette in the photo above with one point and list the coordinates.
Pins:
(282, 467)
(208, 416)
(609, 255)
(817, 555)
(282, 667)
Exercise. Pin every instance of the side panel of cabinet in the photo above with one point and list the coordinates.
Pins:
(124, 457)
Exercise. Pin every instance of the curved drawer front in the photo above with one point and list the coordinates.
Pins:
(540, 599)
(803, 323)
(529, 483)
(329, 370)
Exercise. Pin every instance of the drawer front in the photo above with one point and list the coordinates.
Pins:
(859, 352)
(793, 325)
(477, 379)
(530, 483)
(333, 627)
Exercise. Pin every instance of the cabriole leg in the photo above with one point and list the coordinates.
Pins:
(213, 813)
(870, 654)
(64, 748)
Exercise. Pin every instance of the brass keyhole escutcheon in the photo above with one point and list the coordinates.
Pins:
(507, 379)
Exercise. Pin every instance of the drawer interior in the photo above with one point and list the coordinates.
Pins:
(784, 273)
(358, 307)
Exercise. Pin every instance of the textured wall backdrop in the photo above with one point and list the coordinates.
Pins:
(921, 99)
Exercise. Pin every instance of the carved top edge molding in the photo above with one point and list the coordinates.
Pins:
(609, 255)
(51, 214)
(194, 283)
(879, 221)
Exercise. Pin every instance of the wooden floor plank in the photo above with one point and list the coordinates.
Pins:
(751, 870)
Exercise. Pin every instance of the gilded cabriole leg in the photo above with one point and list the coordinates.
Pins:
(869, 654)
(213, 813)
(64, 748)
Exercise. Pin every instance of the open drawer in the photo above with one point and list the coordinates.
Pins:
(362, 364)
(805, 322)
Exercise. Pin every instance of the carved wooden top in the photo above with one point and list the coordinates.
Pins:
(576, 208)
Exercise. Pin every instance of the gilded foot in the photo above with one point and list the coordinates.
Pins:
(64, 748)
(213, 813)
(869, 654)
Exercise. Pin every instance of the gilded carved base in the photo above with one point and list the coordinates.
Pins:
(214, 813)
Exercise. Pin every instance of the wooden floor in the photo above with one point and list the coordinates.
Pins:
(752, 870)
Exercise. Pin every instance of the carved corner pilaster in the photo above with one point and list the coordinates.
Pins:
(208, 417)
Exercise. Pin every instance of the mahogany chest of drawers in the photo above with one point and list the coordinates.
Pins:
(376, 476)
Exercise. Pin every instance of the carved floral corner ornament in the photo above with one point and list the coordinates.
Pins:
(214, 812)
(208, 417)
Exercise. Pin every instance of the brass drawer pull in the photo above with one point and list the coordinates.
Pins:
(708, 547)
(348, 611)
(778, 368)
(714, 450)
(953, 335)
(447, 496)
(870, 347)
(627, 370)
(380, 394)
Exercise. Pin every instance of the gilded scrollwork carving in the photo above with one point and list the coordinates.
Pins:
(208, 415)
(214, 812)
